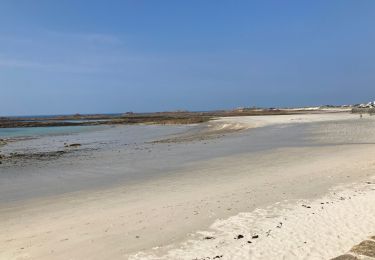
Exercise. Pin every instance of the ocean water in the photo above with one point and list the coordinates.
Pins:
(41, 131)
(55, 130)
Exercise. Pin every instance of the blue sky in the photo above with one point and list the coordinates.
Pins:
(80, 56)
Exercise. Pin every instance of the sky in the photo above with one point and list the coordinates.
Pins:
(76, 56)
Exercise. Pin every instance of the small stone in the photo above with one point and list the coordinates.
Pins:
(73, 145)
(255, 237)
(239, 237)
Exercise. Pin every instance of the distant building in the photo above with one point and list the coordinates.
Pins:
(364, 108)
(368, 105)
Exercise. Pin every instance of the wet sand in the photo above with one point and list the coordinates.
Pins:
(131, 205)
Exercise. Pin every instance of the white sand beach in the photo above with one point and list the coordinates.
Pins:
(302, 188)
(302, 229)
(187, 130)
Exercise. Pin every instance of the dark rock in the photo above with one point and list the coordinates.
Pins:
(255, 236)
(73, 145)
(218, 256)
(209, 238)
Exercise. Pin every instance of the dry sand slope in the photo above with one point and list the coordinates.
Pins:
(317, 229)
(311, 202)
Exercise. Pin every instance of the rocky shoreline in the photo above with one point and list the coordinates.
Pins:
(138, 118)
(20, 158)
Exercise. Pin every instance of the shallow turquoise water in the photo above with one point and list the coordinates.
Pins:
(40, 131)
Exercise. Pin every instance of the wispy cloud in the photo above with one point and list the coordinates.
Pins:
(87, 38)
(12, 63)
(60, 51)
(48, 66)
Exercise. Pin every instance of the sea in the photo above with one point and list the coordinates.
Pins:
(6, 133)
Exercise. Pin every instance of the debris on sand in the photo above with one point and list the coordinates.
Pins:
(73, 145)
(239, 237)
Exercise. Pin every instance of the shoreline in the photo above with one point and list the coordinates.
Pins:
(163, 211)
(161, 118)
(116, 151)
